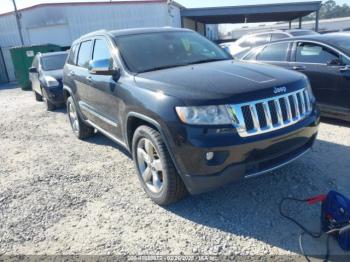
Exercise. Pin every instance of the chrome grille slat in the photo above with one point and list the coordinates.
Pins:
(296, 104)
(278, 111)
(250, 122)
(267, 114)
(303, 108)
(254, 116)
(289, 110)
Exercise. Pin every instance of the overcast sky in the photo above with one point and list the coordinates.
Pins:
(6, 5)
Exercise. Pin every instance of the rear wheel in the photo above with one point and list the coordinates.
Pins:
(155, 167)
(80, 129)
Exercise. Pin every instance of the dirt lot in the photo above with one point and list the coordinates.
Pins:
(60, 195)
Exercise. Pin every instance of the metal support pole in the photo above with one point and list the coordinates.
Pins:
(300, 22)
(18, 21)
(317, 20)
(290, 24)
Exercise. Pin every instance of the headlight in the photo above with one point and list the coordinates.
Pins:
(205, 115)
(50, 81)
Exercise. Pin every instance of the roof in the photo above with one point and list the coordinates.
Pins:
(53, 53)
(251, 13)
(87, 3)
(131, 31)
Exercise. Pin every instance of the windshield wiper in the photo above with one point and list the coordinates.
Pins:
(159, 68)
(207, 61)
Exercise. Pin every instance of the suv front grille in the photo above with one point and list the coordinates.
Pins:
(263, 116)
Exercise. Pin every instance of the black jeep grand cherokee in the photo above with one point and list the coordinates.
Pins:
(192, 118)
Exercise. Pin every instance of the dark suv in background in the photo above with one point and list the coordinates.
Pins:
(192, 118)
(325, 59)
(45, 75)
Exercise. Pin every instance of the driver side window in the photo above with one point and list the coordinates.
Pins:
(101, 50)
(314, 53)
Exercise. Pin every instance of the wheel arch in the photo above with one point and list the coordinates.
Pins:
(134, 120)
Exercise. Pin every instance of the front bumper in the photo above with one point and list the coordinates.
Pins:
(236, 157)
(55, 95)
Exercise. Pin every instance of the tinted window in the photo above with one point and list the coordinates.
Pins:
(101, 50)
(261, 39)
(278, 36)
(72, 55)
(152, 51)
(313, 53)
(274, 52)
(53, 62)
(84, 56)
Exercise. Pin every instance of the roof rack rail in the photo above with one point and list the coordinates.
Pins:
(94, 32)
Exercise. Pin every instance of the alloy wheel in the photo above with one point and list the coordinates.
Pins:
(73, 117)
(150, 165)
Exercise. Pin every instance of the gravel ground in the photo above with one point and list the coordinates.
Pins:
(60, 195)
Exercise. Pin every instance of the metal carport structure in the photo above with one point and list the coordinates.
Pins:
(252, 13)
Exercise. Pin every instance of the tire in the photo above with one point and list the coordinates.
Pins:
(79, 127)
(169, 187)
(38, 97)
(49, 106)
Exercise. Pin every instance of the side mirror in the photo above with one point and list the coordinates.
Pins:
(335, 62)
(33, 70)
(102, 67)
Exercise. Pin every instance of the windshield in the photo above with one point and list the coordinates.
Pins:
(154, 51)
(53, 62)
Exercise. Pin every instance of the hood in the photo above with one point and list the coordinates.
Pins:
(57, 74)
(219, 80)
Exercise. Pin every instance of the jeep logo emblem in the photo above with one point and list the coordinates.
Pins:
(278, 90)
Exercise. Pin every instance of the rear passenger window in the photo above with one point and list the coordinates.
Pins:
(72, 55)
(274, 52)
(84, 56)
(101, 50)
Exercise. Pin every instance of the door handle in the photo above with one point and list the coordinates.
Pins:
(89, 78)
(71, 73)
(299, 68)
(344, 69)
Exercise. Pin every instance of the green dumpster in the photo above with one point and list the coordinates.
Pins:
(22, 58)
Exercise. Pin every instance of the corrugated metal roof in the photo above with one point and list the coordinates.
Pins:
(87, 3)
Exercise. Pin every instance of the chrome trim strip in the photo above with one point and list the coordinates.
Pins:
(278, 166)
(106, 133)
(91, 111)
(236, 109)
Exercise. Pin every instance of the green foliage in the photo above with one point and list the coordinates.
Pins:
(330, 9)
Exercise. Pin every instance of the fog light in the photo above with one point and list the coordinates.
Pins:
(209, 155)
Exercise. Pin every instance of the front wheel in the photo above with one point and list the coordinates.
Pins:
(155, 167)
(80, 129)
(38, 97)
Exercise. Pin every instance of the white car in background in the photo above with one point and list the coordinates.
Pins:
(240, 47)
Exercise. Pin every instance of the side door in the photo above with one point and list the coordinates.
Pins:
(105, 101)
(318, 63)
(84, 92)
(70, 68)
(275, 54)
(34, 76)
